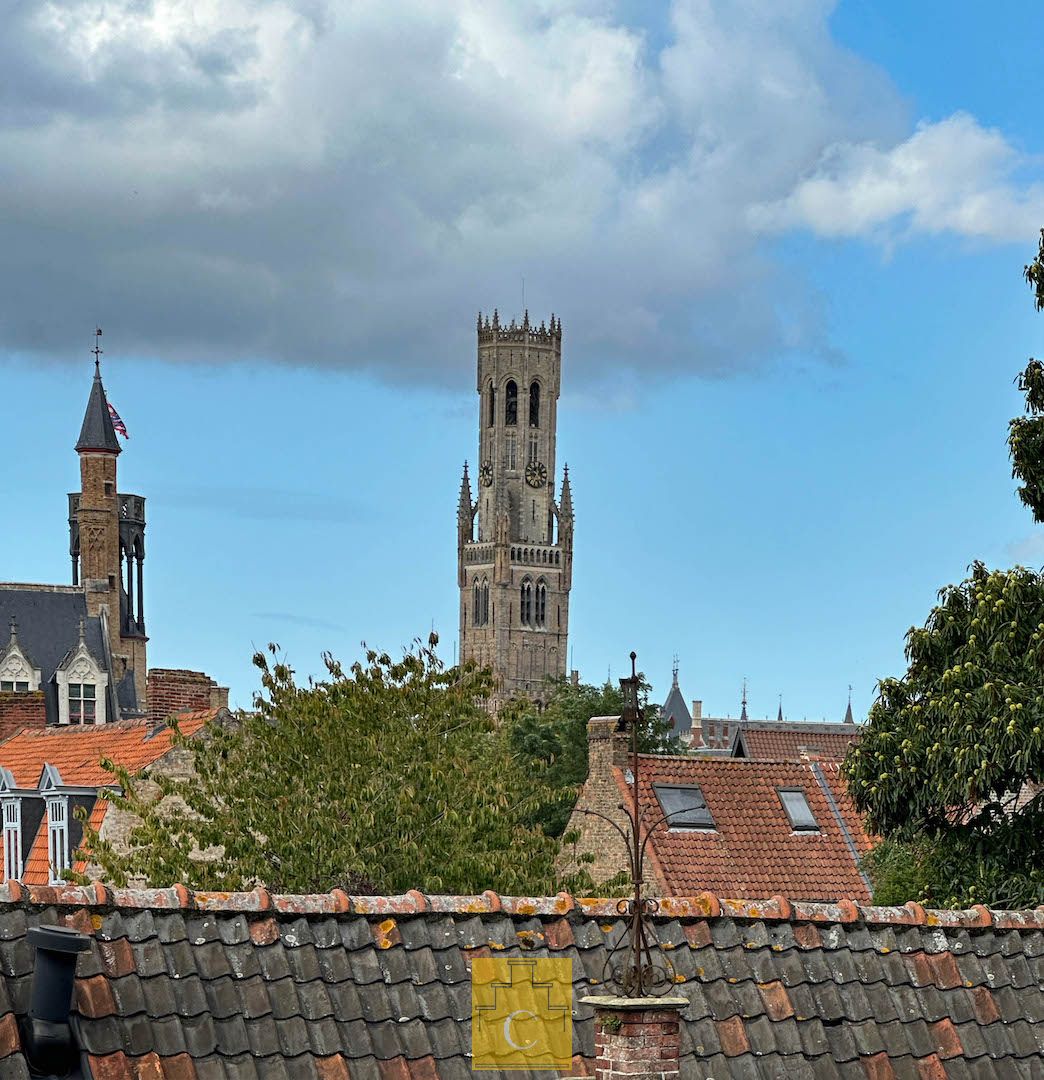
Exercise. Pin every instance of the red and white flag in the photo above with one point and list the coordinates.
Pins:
(117, 423)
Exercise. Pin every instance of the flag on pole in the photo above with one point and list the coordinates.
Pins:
(117, 423)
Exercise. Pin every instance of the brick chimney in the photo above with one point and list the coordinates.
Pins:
(21, 710)
(172, 691)
(637, 1038)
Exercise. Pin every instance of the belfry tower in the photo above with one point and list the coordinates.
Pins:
(515, 542)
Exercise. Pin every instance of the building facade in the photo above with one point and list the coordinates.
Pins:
(514, 539)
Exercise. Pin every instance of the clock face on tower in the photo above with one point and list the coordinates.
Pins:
(536, 474)
(486, 474)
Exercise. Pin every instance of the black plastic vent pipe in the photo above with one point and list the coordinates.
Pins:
(48, 1038)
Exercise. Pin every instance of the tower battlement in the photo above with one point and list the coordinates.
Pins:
(491, 331)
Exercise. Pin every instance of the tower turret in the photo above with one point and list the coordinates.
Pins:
(107, 538)
(515, 553)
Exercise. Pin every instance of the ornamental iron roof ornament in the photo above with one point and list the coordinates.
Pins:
(636, 967)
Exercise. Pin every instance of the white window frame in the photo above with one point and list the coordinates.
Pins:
(58, 859)
(80, 718)
(12, 817)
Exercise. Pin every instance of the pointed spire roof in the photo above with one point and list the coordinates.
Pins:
(849, 719)
(566, 505)
(779, 715)
(464, 506)
(743, 708)
(97, 432)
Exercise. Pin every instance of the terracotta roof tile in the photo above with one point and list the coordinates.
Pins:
(771, 741)
(76, 752)
(753, 850)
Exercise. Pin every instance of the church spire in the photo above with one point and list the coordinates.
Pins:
(97, 433)
(779, 715)
(743, 708)
(849, 719)
(566, 505)
(464, 506)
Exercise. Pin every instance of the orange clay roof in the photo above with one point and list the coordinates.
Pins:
(797, 743)
(753, 850)
(76, 752)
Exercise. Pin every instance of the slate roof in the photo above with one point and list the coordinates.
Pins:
(218, 986)
(48, 620)
(797, 741)
(753, 849)
(675, 710)
(97, 432)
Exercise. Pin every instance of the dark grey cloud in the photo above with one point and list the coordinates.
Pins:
(346, 184)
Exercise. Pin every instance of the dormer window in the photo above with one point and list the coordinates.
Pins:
(12, 839)
(83, 685)
(82, 703)
(57, 837)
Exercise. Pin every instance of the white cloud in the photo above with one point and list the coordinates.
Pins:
(346, 183)
(952, 176)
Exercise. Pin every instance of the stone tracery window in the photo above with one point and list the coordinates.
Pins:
(526, 601)
(534, 405)
(541, 603)
(511, 403)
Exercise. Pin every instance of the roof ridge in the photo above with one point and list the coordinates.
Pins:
(703, 905)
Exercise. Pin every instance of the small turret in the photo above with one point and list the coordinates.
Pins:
(97, 434)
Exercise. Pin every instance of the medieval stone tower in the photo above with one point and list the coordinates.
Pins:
(107, 543)
(515, 542)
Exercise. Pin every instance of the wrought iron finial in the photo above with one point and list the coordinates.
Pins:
(636, 967)
(97, 350)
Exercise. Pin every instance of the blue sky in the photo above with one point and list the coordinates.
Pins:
(786, 249)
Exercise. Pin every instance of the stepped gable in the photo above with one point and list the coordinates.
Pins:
(204, 986)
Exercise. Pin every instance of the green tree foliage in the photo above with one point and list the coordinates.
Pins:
(953, 754)
(1026, 433)
(552, 742)
(386, 777)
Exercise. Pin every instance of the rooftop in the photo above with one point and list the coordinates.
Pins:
(203, 986)
(753, 848)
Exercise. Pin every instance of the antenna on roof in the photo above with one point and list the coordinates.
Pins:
(97, 350)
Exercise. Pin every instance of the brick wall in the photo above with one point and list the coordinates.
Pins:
(173, 691)
(19, 711)
(607, 747)
(637, 1044)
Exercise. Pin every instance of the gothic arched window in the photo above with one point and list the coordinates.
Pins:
(511, 402)
(541, 603)
(476, 604)
(492, 413)
(527, 602)
(485, 601)
(534, 405)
